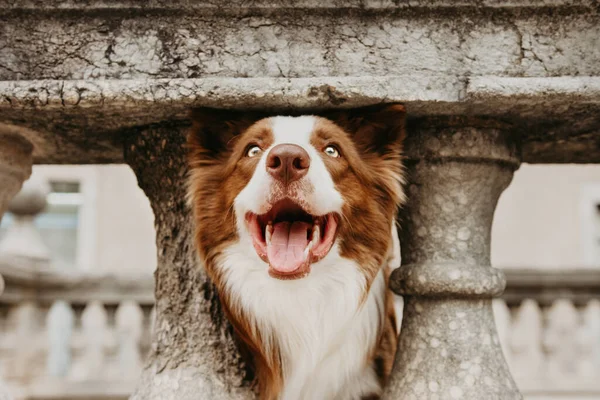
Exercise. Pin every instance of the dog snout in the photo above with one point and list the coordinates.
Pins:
(287, 162)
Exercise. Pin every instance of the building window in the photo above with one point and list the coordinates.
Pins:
(59, 222)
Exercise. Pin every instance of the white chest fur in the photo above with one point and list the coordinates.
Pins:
(323, 331)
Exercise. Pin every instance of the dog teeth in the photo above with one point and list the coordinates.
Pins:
(308, 249)
(316, 234)
(316, 237)
(268, 233)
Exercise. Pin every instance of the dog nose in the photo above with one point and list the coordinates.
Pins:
(287, 162)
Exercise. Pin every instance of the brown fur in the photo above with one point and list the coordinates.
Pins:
(369, 140)
(371, 196)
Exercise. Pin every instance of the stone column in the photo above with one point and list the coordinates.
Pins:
(15, 165)
(16, 158)
(449, 347)
(22, 247)
(193, 354)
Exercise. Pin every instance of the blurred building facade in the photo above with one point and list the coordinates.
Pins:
(76, 315)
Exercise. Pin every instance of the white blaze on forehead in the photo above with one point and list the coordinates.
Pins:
(299, 130)
(295, 130)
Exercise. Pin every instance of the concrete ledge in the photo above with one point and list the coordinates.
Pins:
(279, 4)
(67, 114)
(49, 389)
(535, 90)
(48, 286)
(304, 93)
(578, 285)
(259, 93)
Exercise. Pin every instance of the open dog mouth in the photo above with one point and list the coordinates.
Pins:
(289, 239)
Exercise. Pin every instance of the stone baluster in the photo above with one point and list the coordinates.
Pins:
(152, 318)
(448, 347)
(129, 324)
(152, 329)
(190, 333)
(25, 339)
(589, 341)
(23, 247)
(560, 340)
(526, 342)
(94, 337)
(16, 158)
(59, 322)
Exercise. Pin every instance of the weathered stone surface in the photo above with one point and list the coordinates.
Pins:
(276, 39)
(87, 121)
(77, 74)
(449, 347)
(193, 355)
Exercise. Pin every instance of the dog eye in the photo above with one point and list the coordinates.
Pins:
(253, 151)
(332, 151)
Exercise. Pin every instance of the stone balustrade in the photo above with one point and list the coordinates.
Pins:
(552, 351)
(69, 337)
(66, 334)
(73, 337)
(549, 326)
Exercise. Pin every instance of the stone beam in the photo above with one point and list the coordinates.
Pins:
(449, 347)
(189, 39)
(89, 71)
(557, 118)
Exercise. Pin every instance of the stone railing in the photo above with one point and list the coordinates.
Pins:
(69, 337)
(549, 326)
(66, 335)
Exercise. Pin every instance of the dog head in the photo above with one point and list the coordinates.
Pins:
(296, 191)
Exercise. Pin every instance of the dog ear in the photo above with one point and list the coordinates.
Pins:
(379, 128)
(214, 131)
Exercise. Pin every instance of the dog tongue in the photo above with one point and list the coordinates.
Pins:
(288, 242)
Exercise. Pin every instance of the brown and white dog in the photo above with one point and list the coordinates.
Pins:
(295, 224)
